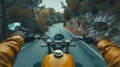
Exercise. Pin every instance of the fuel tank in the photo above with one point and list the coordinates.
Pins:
(51, 61)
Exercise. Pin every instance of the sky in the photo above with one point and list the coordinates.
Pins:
(56, 4)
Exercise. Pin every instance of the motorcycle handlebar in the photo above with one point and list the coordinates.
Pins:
(64, 43)
(77, 38)
(67, 41)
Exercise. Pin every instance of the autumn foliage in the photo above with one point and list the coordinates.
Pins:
(116, 8)
(21, 14)
(74, 6)
(94, 11)
(18, 13)
(48, 16)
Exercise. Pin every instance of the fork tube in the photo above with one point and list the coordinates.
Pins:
(49, 49)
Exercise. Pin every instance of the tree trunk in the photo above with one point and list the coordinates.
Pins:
(33, 11)
(65, 22)
(3, 19)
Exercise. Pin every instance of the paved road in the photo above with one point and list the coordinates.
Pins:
(84, 55)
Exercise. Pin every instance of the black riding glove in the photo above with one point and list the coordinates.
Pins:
(27, 36)
(94, 37)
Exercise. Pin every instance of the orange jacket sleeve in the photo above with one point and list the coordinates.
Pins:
(9, 50)
(110, 52)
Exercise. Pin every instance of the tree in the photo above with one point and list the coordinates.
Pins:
(18, 13)
(59, 17)
(43, 26)
(69, 1)
(33, 4)
(48, 14)
(4, 5)
(66, 17)
(44, 14)
(53, 15)
(51, 11)
(116, 8)
(74, 8)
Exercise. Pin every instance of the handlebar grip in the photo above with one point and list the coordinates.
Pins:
(43, 45)
(37, 37)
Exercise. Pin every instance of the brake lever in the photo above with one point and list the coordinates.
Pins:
(43, 45)
(72, 45)
(37, 37)
(77, 38)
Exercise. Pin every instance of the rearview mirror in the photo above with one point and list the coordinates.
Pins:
(100, 26)
(14, 26)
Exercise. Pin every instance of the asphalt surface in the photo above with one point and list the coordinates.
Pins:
(83, 54)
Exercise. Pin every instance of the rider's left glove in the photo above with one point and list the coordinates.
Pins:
(27, 36)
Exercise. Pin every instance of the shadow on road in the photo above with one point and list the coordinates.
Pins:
(78, 65)
(37, 64)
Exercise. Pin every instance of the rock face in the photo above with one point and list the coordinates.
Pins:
(94, 11)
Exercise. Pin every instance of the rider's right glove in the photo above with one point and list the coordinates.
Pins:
(95, 38)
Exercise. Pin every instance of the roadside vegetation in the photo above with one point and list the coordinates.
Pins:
(36, 18)
(81, 16)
